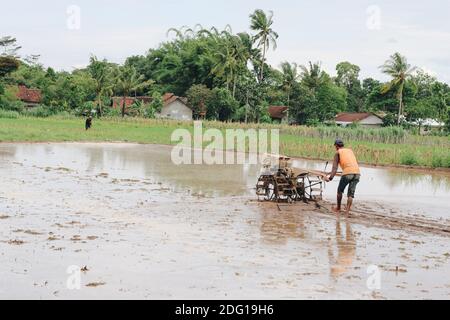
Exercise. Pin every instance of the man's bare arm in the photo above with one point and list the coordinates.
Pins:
(335, 167)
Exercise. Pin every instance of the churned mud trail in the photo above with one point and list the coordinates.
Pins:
(364, 214)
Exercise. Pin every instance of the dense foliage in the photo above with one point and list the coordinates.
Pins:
(226, 77)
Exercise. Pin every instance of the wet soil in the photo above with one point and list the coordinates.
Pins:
(139, 227)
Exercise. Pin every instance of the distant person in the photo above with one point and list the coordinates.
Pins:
(88, 123)
(345, 158)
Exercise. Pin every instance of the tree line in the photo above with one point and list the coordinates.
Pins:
(226, 77)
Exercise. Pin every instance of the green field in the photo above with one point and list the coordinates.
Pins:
(387, 146)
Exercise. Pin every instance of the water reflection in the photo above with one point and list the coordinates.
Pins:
(277, 228)
(341, 261)
(427, 192)
(412, 180)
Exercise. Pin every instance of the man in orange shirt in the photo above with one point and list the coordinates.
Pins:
(345, 158)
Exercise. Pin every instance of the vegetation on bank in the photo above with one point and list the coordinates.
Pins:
(228, 81)
(385, 146)
(226, 77)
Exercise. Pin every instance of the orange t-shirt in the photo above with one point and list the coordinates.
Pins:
(348, 162)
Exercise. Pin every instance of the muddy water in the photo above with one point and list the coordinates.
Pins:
(407, 190)
(402, 191)
(145, 228)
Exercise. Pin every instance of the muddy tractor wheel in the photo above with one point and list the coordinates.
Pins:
(270, 192)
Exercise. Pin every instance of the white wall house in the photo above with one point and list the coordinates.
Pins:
(176, 108)
(367, 120)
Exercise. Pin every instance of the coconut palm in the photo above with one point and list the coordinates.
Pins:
(230, 56)
(312, 76)
(182, 34)
(398, 68)
(100, 71)
(290, 78)
(127, 81)
(265, 36)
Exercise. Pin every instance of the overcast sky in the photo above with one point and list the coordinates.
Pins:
(362, 32)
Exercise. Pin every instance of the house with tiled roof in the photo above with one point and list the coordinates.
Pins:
(31, 97)
(363, 119)
(278, 113)
(129, 101)
(176, 108)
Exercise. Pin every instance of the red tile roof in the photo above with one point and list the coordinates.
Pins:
(277, 112)
(29, 95)
(353, 117)
(168, 98)
(118, 102)
(129, 101)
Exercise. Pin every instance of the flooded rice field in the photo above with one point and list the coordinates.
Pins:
(140, 227)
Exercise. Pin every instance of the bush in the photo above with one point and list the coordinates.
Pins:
(382, 135)
(17, 106)
(111, 112)
(157, 103)
(8, 114)
(64, 115)
(409, 159)
(221, 105)
(39, 112)
(9, 101)
(440, 161)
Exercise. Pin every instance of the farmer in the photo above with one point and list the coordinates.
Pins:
(345, 158)
(88, 123)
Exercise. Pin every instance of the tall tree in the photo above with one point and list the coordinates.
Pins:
(290, 80)
(265, 36)
(8, 65)
(9, 46)
(348, 78)
(398, 68)
(312, 75)
(347, 73)
(127, 81)
(100, 71)
(8, 56)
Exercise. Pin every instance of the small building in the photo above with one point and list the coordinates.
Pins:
(427, 126)
(363, 119)
(176, 108)
(31, 97)
(129, 101)
(278, 113)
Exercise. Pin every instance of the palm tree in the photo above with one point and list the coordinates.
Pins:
(312, 76)
(226, 64)
(100, 71)
(181, 34)
(290, 78)
(266, 36)
(230, 57)
(127, 81)
(398, 68)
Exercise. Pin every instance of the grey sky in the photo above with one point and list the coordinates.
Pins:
(326, 31)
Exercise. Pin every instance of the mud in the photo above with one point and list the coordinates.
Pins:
(139, 227)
